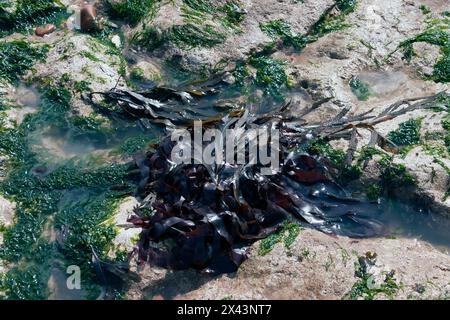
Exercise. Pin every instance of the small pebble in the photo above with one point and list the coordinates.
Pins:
(47, 29)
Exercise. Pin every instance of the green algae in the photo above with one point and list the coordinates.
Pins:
(134, 144)
(23, 284)
(133, 11)
(30, 13)
(234, 14)
(270, 75)
(17, 57)
(337, 157)
(287, 234)
(39, 197)
(280, 29)
(330, 22)
(360, 89)
(407, 134)
(199, 28)
(327, 23)
(186, 36)
(425, 9)
(394, 176)
(191, 36)
(320, 147)
(240, 73)
(436, 34)
(365, 288)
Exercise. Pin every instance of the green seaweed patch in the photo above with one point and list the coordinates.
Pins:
(230, 14)
(81, 86)
(29, 13)
(286, 234)
(86, 227)
(394, 176)
(437, 34)
(270, 76)
(320, 147)
(187, 36)
(149, 38)
(241, 73)
(190, 36)
(360, 89)
(367, 153)
(329, 22)
(198, 29)
(425, 9)
(18, 57)
(346, 172)
(200, 5)
(234, 14)
(332, 22)
(280, 29)
(23, 284)
(90, 127)
(366, 288)
(41, 194)
(133, 11)
(90, 56)
(407, 134)
(134, 144)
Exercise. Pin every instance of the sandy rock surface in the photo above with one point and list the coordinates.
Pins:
(317, 266)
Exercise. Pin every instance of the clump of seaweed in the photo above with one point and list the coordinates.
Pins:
(287, 234)
(407, 134)
(280, 29)
(134, 11)
(332, 20)
(366, 287)
(29, 13)
(360, 89)
(270, 75)
(17, 57)
(437, 34)
(187, 36)
(446, 126)
(199, 29)
(191, 36)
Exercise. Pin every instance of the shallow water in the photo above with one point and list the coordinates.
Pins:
(404, 220)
